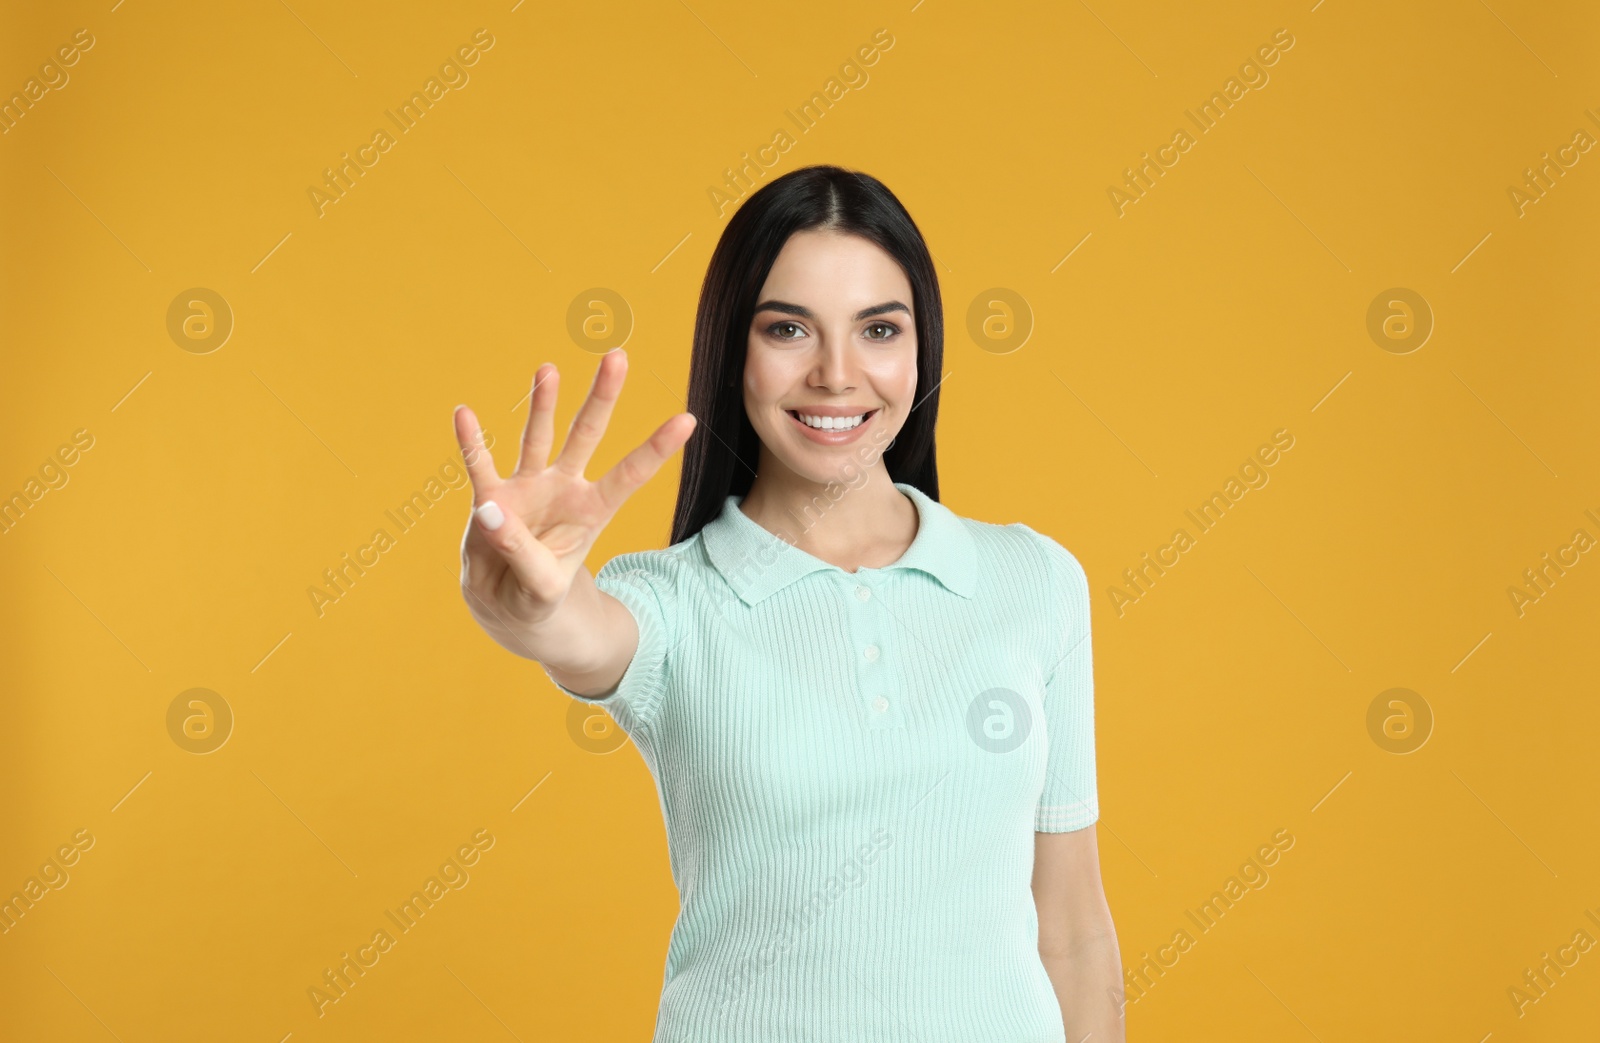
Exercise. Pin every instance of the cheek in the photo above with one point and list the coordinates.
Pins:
(910, 379)
(757, 387)
(759, 397)
(767, 378)
(899, 373)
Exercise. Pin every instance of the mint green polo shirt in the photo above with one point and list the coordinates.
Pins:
(851, 768)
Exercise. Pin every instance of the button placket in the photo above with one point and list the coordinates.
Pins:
(872, 669)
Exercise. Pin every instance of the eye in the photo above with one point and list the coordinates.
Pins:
(891, 327)
(772, 331)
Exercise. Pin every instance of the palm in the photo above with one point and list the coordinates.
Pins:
(565, 514)
(521, 572)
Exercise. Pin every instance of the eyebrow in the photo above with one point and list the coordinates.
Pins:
(805, 313)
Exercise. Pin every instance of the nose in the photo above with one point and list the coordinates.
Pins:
(836, 367)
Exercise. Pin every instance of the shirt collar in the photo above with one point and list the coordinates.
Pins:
(757, 563)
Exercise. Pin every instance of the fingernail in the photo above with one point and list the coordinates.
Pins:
(490, 516)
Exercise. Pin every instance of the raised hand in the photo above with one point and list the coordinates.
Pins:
(529, 533)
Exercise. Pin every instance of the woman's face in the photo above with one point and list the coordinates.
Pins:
(832, 339)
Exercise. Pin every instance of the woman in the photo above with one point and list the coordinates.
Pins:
(870, 720)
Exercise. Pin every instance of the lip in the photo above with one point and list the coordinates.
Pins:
(832, 437)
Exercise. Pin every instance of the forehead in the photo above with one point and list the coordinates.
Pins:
(833, 271)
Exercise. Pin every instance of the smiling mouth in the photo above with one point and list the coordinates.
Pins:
(831, 423)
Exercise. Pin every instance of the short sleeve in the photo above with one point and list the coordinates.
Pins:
(646, 582)
(1070, 799)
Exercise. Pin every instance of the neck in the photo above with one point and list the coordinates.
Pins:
(867, 524)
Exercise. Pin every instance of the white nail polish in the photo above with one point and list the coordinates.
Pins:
(490, 516)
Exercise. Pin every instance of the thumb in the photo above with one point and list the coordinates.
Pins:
(537, 571)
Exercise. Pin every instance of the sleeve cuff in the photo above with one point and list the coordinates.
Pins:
(1064, 818)
(633, 701)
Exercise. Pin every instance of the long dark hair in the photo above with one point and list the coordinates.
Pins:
(720, 458)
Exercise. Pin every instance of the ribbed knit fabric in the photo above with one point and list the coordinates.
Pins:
(851, 768)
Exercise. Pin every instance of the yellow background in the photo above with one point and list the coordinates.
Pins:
(369, 742)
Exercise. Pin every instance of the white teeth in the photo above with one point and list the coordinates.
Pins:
(831, 423)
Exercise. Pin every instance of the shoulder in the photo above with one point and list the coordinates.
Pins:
(1058, 559)
(1017, 547)
(664, 568)
(655, 585)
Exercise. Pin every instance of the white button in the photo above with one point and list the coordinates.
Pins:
(880, 704)
(862, 593)
(871, 653)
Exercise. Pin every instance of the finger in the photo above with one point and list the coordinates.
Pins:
(640, 466)
(480, 465)
(594, 414)
(535, 568)
(538, 435)
(481, 565)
